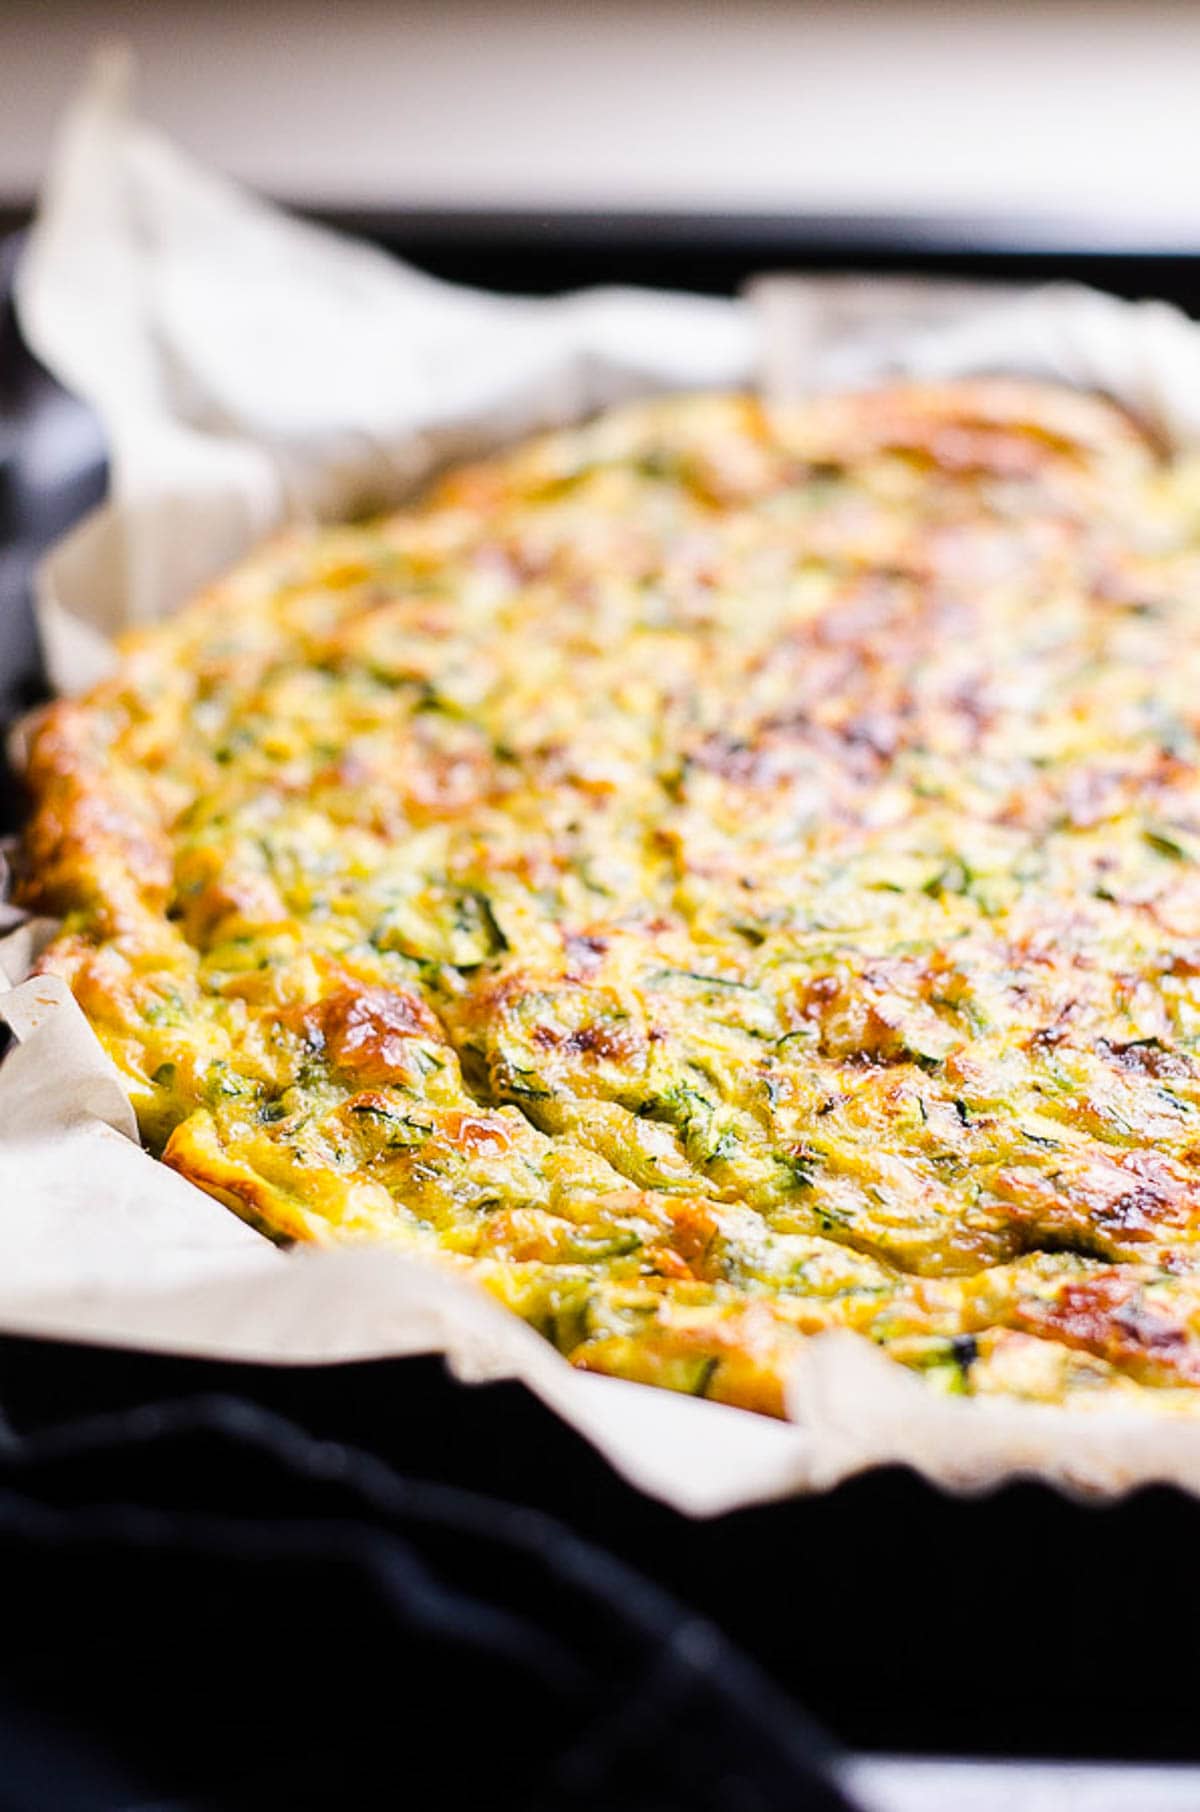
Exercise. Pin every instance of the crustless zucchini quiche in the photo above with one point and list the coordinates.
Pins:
(714, 874)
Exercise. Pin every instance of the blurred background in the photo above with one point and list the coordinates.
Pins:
(1081, 117)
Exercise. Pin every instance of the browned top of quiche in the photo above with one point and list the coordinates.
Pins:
(715, 874)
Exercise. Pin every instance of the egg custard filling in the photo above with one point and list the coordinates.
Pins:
(714, 874)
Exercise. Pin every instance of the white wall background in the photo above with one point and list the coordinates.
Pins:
(1059, 107)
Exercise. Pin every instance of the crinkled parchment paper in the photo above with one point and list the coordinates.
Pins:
(250, 369)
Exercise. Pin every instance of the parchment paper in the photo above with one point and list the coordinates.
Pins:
(250, 369)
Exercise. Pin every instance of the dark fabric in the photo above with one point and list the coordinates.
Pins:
(205, 1606)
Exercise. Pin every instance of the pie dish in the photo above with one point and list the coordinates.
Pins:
(713, 874)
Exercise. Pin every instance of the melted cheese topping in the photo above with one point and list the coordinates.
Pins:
(713, 874)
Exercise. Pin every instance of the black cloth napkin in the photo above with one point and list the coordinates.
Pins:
(204, 1606)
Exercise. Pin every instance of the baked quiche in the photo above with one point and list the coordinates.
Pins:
(713, 875)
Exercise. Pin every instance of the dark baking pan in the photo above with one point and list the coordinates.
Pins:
(1017, 1623)
(543, 252)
